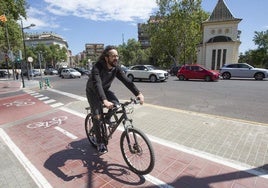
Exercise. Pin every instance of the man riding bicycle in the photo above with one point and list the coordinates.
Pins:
(98, 89)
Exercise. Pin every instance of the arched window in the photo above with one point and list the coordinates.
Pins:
(219, 39)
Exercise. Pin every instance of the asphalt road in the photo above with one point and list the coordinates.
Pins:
(236, 98)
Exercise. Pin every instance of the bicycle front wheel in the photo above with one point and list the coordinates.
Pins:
(137, 151)
(90, 130)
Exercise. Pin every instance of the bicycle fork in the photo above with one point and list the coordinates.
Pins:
(132, 146)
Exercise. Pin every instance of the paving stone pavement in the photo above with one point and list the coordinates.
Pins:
(239, 143)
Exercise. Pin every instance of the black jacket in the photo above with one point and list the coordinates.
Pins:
(101, 78)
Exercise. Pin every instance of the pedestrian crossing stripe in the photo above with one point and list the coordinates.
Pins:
(45, 99)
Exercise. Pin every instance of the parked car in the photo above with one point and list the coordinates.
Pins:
(3, 73)
(242, 70)
(196, 71)
(146, 72)
(83, 71)
(124, 68)
(174, 70)
(50, 71)
(70, 73)
(60, 69)
(32, 73)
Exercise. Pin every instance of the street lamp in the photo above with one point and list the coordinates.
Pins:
(24, 49)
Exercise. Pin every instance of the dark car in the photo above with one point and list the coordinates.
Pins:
(83, 71)
(3, 73)
(196, 71)
(32, 73)
(59, 71)
(50, 71)
(174, 70)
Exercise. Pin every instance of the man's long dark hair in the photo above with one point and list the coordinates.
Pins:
(105, 52)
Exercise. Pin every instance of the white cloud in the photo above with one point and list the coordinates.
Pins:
(39, 18)
(105, 10)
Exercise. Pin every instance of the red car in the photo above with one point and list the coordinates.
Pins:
(196, 71)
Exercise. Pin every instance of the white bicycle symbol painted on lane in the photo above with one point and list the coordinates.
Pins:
(20, 102)
(56, 121)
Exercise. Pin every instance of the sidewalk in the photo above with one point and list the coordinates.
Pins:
(235, 143)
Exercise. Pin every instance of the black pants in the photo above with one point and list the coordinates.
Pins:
(96, 106)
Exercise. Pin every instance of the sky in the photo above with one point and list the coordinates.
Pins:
(113, 22)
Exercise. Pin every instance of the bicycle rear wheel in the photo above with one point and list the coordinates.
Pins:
(90, 130)
(137, 151)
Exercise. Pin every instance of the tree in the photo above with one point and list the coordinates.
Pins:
(10, 30)
(13, 10)
(175, 31)
(261, 39)
(259, 56)
(50, 54)
(131, 53)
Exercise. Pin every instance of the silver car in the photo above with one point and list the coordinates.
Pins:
(70, 73)
(243, 70)
(146, 72)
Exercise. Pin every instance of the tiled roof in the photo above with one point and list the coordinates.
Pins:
(221, 13)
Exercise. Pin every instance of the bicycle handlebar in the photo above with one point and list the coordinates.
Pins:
(134, 101)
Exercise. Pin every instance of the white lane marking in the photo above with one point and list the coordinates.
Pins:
(70, 135)
(29, 91)
(49, 101)
(157, 182)
(77, 97)
(36, 96)
(43, 98)
(39, 179)
(56, 105)
(73, 112)
(34, 93)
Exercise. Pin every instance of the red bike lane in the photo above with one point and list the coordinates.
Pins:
(56, 145)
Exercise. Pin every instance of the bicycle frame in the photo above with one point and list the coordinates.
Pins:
(122, 119)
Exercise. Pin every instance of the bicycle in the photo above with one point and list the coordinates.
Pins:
(135, 146)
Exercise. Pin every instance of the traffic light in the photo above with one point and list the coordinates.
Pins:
(18, 57)
(17, 60)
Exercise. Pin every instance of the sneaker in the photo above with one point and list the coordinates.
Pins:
(102, 148)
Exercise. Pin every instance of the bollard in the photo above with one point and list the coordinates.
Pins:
(47, 82)
(41, 84)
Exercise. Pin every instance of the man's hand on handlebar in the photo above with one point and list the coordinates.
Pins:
(108, 104)
(140, 97)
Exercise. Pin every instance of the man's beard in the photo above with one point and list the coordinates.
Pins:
(113, 63)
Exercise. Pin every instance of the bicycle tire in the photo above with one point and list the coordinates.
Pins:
(90, 130)
(142, 159)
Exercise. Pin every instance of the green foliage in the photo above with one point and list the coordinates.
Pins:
(13, 10)
(176, 31)
(259, 56)
(50, 54)
(131, 53)
(261, 39)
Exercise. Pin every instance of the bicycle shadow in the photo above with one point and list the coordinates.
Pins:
(94, 164)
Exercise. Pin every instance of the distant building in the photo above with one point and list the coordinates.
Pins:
(94, 50)
(221, 38)
(33, 39)
(49, 38)
(143, 36)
